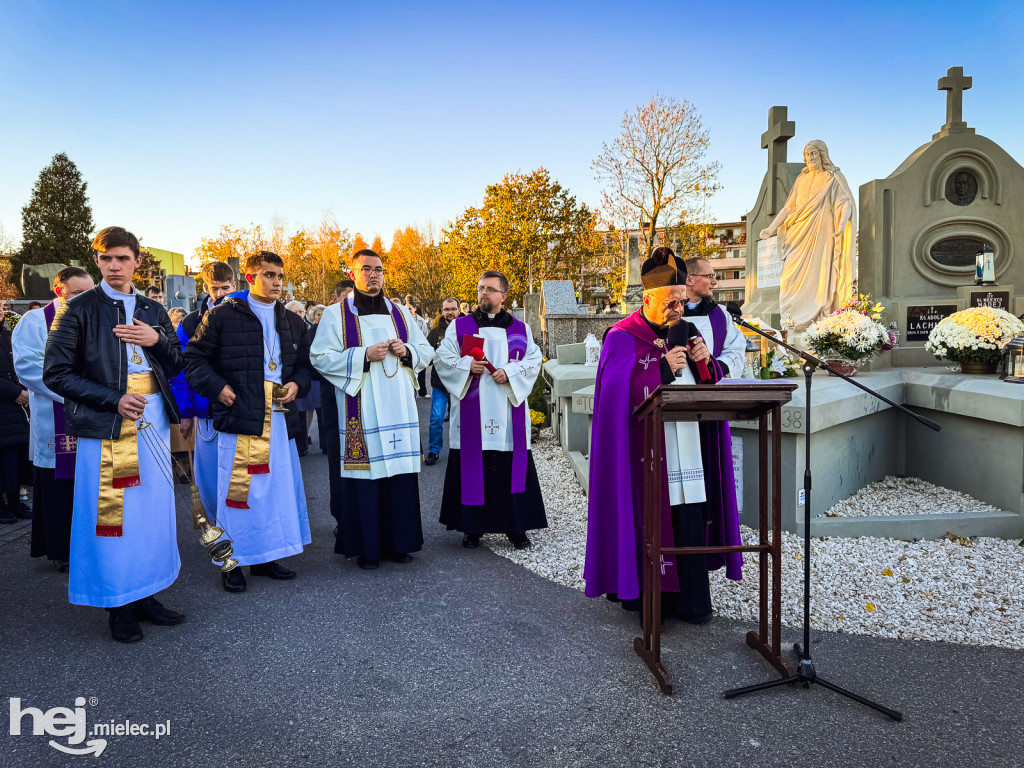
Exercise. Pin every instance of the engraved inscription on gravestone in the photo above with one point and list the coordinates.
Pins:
(956, 251)
(769, 266)
(993, 299)
(921, 320)
(961, 188)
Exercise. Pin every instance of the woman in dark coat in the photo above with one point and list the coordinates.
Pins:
(13, 430)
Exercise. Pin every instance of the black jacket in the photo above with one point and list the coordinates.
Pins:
(87, 364)
(434, 338)
(13, 424)
(227, 349)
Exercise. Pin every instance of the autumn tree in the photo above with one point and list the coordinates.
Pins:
(416, 264)
(148, 271)
(232, 242)
(529, 227)
(57, 222)
(314, 260)
(655, 170)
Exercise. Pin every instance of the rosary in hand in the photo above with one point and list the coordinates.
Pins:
(397, 367)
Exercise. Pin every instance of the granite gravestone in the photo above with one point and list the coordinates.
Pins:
(922, 226)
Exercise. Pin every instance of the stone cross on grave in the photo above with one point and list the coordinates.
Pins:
(492, 426)
(780, 131)
(954, 84)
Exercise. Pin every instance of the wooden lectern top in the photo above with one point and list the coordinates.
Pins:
(729, 400)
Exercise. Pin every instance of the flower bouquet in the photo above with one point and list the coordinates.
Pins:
(974, 337)
(852, 334)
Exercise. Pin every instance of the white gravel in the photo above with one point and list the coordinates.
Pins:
(906, 496)
(956, 590)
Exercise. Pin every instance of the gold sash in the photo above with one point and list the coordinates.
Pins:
(119, 463)
(252, 456)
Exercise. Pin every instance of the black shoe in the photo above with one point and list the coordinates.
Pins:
(400, 557)
(21, 510)
(303, 453)
(520, 541)
(471, 540)
(123, 626)
(273, 569)
(233, 580)
(151, 609)
(62, 566)
(368, 565)
(431, 459)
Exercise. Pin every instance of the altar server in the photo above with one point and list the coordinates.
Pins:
(371, 351)
(700, 502)
(51, 449)
(196, 418)
(490, 485)
(242, 349)
(110, 355)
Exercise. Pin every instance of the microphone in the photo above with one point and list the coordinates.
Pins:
(680, 333)
(478, 354)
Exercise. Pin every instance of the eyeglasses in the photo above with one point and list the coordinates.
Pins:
(372, 271)
(709, 276)
(488, 289)
(674, 304)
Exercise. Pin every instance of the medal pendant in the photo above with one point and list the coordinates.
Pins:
(272, 365)
(660, 343)
(137, 359)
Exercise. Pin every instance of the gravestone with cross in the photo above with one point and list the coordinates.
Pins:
(922, 226)
(762, 287)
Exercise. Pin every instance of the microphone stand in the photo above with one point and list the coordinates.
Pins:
(805, 670)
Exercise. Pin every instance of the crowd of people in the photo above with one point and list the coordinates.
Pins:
(121, 395)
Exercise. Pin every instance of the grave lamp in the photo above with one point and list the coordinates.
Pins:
(1013, 361)
(984, 266)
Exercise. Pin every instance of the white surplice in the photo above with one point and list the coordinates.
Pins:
(387, 392)
(683, 461)
(734, 348)
(28, 341)
(496, 400)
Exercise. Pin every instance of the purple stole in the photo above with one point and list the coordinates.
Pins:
(356, 456)
(471, 452)
(64, 445)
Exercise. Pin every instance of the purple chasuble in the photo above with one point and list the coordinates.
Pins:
(65, 446)
(471, 452)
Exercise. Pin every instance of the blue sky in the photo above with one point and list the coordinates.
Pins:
(186, 116)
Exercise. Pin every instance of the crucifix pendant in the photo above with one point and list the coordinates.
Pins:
(137, 359)
(272, 365)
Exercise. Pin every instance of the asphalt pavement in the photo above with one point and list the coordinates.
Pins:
(462, 658)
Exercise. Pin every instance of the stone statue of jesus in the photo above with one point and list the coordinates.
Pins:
(817, 230)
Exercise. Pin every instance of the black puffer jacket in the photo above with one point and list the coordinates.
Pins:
(13, 424)
(227, 349)
(87, 364)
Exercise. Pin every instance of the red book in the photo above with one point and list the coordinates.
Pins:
(473, 346)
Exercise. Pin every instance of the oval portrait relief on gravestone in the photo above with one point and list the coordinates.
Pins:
(961, 187)
(956, 251)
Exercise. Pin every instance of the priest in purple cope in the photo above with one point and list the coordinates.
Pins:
(699, 496)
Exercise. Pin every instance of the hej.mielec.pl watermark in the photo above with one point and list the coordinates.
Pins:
(63, 722)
